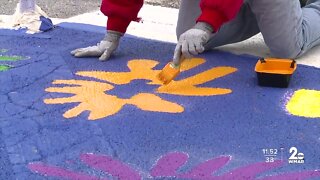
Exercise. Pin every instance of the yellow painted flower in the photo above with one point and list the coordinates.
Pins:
(93, 96)
(305, 103)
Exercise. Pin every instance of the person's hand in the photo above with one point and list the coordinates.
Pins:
(192, 42)
(103, 50)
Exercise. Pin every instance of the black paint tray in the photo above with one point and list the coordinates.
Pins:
(274, 72)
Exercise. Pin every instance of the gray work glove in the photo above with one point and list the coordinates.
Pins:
(103, 49)
(192, 42)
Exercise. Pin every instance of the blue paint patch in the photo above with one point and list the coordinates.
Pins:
(22, 33)
(239, 124)
(5, 164)
(46, 24)
(82, 27)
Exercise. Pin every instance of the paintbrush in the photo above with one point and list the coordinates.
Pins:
(170, 71)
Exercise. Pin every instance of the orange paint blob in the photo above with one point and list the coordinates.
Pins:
(188, 86)
(93, 96)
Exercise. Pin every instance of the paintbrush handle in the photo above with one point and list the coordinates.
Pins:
(176, 64)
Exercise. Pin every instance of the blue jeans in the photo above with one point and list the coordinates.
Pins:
(288, 30)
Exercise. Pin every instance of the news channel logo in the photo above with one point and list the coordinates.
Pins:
(273, 154)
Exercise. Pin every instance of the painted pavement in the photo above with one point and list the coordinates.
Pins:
(68, 118)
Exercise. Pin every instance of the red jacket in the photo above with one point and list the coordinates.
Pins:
(121, 12)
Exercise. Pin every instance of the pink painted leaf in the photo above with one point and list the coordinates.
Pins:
(295, 175)
(205, 170)
(168, 165)
(109, 165)
(251, 171)
(54, 171)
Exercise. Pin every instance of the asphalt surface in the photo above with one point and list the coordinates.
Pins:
(69, 8)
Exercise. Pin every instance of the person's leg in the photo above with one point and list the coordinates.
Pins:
(27, 5)
(241, 28)
(189, 12)
(288, 30)
(311, 25)
(310, 1)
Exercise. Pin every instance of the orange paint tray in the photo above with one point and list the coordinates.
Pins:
(275, 72)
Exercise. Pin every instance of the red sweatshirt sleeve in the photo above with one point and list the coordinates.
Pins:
(218, 12)
(120, 13)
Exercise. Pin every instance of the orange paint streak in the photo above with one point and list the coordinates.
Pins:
(191, 63)
(151, 102)
(93, 96)
(187, 87)
(139, 69)
(143, 69)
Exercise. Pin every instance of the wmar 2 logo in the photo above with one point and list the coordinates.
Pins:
(295, 158)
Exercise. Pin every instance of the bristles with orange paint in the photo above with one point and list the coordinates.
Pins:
(168, 73)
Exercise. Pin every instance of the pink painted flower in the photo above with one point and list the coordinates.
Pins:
(168, 167)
